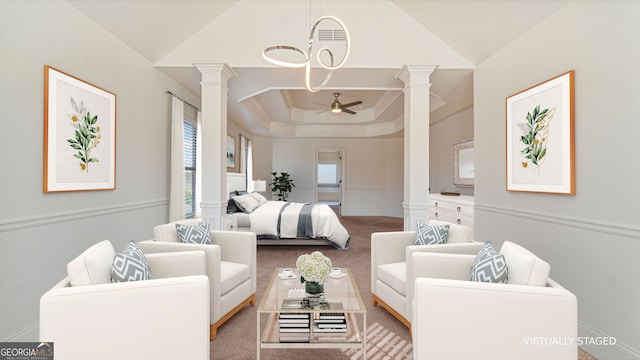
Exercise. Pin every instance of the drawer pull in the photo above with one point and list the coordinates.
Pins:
(458, 221)
(458, 209)
(436, 214)
(436, 204)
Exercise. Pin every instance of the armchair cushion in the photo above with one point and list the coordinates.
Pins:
(232, 274)
(394, 275)
(93, 266)
(525, 268)
(430, 235)
(489, 266)
(194, 234)
(130, 265)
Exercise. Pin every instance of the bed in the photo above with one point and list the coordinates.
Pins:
(287, 223)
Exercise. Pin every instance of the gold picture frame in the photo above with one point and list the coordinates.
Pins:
(540, 137)
(79, 134)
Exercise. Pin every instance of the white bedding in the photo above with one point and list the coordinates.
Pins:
(279, 219)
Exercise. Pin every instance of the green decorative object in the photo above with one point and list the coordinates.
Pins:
(282, 185)
(312, 287)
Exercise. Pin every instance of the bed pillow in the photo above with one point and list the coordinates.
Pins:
(431, 235)
(232, 207)
(246, 203)
(194, 234)
(259, 198)
(130, 265)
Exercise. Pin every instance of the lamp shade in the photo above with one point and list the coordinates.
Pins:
(259, 185)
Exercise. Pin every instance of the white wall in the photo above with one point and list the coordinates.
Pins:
(442, 136)
(40, 233)
(372, 179)
(592, 239)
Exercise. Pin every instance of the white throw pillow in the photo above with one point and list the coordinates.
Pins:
(259, 198)
(93, 266)
(246, 203)
(524, 267)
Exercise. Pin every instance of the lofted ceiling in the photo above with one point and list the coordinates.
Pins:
(272, 101)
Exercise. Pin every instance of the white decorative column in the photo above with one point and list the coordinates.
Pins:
(214, 142)
(416, 143)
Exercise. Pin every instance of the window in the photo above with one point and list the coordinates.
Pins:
(327, 174)
(190, 143)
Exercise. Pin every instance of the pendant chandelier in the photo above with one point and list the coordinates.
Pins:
(308, 55)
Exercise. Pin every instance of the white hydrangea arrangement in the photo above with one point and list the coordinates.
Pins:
(314, 267)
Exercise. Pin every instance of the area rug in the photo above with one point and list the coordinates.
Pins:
(382, 344)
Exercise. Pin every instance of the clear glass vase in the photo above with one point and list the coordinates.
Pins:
(312, 287)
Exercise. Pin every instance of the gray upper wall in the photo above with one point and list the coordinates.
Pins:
(40, 233)
(592, 239)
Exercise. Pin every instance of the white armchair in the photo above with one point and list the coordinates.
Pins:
(530, 317)
(163, 318)
(391, 278)
(231, 267)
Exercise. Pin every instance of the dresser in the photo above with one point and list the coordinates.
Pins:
(454, 209)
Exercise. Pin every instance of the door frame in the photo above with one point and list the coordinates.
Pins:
(341, 181)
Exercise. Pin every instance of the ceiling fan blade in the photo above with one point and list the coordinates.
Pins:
(352, 104)
(320, 112)
(348, 111)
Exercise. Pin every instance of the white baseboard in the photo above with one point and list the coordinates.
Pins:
(28, 334)
(603, 346)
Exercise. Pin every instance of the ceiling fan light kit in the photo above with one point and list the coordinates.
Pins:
(332, 66)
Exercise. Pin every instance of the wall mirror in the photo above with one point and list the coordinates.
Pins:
(463, 168)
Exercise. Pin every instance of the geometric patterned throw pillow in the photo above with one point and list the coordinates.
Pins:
(489, 266)
(130, 265)
(430, 235)
(194, 234)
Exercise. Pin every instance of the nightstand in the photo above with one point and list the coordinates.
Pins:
(231, 223)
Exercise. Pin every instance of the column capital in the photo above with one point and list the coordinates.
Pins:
(220, 71)
(409, 73)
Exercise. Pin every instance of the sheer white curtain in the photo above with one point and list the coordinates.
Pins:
(247, 152)
(198, 189)
(176, 192)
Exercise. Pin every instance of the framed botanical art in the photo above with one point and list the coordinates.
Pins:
(540, 137)
(231, 152)
(79, 134)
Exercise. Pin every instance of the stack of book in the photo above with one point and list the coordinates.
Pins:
(330, 326)
(294, 326)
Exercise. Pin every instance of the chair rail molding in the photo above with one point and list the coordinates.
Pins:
(575, 222)
(64, 216)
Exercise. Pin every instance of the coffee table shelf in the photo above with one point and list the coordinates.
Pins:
(342, 291)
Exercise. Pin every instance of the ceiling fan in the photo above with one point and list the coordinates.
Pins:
(338, 107)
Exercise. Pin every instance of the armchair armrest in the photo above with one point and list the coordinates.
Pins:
(492, 316)
(212, 256)
(239, 247)
(465, 248)
(81, 319)
(387, 248)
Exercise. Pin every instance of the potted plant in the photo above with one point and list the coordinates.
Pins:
(282, 185)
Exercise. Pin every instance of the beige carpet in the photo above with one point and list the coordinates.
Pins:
(388, 338)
